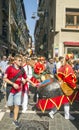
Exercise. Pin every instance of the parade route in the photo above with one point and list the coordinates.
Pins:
(36, 120)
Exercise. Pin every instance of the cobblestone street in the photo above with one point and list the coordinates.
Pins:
(35, 120)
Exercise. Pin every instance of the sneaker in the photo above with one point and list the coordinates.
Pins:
(16, 123)
(11, 114)
(70, 118)
(51, 115)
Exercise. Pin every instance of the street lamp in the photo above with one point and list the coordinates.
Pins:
(34, 16)
(51, 29)
(39, 14)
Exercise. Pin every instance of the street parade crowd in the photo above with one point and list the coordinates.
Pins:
(55, 80)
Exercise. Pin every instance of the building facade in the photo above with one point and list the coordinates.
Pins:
(61, 25)
(67, 27)
(23, 32)
(4, 25)
(14, 34)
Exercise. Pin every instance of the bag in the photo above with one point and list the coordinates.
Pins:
(67, 90)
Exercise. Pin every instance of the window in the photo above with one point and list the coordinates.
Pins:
(72, 18)
(4, 29)
(69, 20)
(74, 51)
(77, 20)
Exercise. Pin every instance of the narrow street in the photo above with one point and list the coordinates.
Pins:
(39, 46)
(35, 120)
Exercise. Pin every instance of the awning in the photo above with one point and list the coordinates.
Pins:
(71, 43)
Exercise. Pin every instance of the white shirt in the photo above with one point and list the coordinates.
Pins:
(58, 65)
(28, 70)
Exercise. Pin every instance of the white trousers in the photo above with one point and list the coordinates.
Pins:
(25, 101)
(66, 110)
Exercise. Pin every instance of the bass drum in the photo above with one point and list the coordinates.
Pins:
(51, 90)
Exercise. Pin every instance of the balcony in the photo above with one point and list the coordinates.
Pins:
(13, 45)
(13, 22)
(22, 40)
(13, 2)
(41, 4)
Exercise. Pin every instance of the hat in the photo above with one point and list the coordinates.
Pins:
(69, 56)
(39, 68)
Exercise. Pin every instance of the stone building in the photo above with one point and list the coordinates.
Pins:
(4, 32)
(61, 31)
(14, 34)
(23, 32)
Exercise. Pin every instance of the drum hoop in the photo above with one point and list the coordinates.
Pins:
(43, 85)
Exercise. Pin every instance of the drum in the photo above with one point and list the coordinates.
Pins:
(51, 90)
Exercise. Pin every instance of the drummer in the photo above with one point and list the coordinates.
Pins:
(65, 73)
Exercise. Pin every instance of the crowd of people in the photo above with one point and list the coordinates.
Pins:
(20, 72)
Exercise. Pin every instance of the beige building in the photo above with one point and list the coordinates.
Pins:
(66, 36)
(62, 25)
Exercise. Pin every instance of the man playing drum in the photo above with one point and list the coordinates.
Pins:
(65, 75)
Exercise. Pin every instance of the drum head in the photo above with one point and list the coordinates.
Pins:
(51, 90)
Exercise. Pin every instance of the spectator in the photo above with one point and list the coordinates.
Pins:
(3, 64)
(14, 98)
(28, 71)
